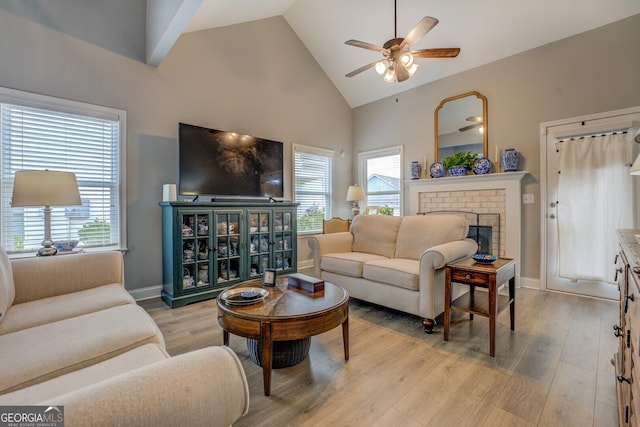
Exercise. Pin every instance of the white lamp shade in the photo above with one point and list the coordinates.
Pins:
(45, 188)
(355, 193)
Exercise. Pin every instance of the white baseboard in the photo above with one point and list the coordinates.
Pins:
(154, 291)
(146, 293)
(530, 282)
(307, 263)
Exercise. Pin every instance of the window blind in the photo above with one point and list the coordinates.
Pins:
(38, 138)
(312, 186)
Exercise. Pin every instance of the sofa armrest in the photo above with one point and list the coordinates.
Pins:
(43, 277)
(321, 244)
(203, 387)
(440, 255)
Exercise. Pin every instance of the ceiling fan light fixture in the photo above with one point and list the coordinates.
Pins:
(381, 67)
(412, 69)
(390, 75)
(406, 59)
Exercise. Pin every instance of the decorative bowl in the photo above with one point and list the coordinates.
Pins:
(484, 258)
(66, 246)
(243, 296)
(482, 165)
(436, 170)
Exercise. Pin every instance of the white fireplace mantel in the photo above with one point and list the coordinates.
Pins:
(509, 181)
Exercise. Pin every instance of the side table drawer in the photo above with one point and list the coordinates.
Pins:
(469, 277)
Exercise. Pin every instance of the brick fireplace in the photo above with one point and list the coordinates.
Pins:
(496, 195)
(484, 210)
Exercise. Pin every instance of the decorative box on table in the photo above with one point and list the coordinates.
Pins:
(305, 282)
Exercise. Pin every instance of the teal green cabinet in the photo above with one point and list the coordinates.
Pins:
(207, 247)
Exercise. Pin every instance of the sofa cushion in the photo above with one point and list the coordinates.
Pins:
(46, 310)
(67, 383)
(347, 263)
(64, 274)
(7, 290)
(375, 234)
(47, 351)
(400, 272)
(420, 232)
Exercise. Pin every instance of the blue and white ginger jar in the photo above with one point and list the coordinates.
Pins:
(510, 158)
(416, 170)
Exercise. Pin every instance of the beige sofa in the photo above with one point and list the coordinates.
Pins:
(71, 335)
(395, 262)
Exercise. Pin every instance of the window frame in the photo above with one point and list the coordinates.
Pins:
(325, 152)
(364, 156)
(46, 102)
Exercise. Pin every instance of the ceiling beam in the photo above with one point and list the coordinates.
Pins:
(166, 20)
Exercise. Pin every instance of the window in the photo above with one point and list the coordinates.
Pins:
(312, 173)
(39, 132)
(381, 177)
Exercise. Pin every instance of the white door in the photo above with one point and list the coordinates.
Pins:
(552, 134)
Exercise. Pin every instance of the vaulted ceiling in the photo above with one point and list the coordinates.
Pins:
(485, 31)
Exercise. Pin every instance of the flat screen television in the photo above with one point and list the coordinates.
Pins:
(218, 163)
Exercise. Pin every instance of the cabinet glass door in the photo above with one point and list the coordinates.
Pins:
(283, 240)
(259, 242)
(196, 244)
(228, 262)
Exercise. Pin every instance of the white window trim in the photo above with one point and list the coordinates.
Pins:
(320, 152)
(30, 99)
(381, 152)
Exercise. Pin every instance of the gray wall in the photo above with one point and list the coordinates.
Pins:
(589, 73)
(258, 78)
(255, 78)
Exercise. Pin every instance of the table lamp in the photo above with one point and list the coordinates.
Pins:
(355, 194)
(45, 188)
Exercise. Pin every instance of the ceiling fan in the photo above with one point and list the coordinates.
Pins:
(398, 64)
(477, 124)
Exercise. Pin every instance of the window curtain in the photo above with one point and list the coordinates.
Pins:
(595, 199)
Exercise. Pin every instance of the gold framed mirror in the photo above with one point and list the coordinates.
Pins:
(461, 124)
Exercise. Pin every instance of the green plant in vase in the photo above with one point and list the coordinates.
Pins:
(457, 164)
(386, 210)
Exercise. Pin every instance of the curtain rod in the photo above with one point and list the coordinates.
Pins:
(613, 132)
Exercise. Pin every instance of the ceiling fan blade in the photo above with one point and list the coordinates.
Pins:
(365, 45)
(445, 52)
(402, 73)
(423, 27)
(473, 126)
(361, 69)
(474, 119)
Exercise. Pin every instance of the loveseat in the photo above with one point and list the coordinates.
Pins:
(72, 336)
(396, 262)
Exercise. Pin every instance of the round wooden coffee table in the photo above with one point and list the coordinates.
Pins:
(286, 314)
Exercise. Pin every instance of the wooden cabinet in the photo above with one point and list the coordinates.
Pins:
(627, 359)
(207, 247)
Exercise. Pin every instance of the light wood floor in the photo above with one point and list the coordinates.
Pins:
(554, 370)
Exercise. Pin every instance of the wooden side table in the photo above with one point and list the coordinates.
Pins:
(488, 276)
